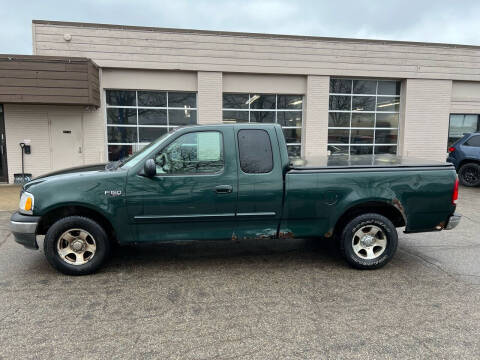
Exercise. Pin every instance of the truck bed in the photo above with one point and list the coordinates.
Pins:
(364, 162)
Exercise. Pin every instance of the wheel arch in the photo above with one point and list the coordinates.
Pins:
(392, 211)
(54, 214)
(469, 160)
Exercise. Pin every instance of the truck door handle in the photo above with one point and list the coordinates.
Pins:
(223, 189)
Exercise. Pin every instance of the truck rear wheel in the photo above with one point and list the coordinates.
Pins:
(76, 245)
(369, 241)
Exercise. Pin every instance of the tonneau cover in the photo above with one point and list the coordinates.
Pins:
(335, 162)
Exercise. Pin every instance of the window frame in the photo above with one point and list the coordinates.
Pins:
(466, 143)
(239, 154)
(375, 111)
(276, 110)
(193, 174)
(138, 145)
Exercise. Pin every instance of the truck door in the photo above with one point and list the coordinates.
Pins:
(194, 194)
(260, 183)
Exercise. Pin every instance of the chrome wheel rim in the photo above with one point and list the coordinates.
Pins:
(369, 242)
(76, 247)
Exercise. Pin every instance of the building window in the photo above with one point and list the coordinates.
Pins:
(286, 110)
(460, 124)
(363, 116)
(136, 117)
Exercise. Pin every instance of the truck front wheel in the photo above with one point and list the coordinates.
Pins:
(76, 245)
(369, 241)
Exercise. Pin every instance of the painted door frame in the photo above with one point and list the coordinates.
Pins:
(3, 146)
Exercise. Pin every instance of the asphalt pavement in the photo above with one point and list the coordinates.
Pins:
(282, 299)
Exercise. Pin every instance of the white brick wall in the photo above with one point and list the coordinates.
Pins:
(209, 98)
(426, 118)
(315, 128)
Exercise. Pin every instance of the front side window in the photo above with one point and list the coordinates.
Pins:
(193, 153)
(363, 116)
(286, 110)
(136, 117)
(255, 151)
(461, 124)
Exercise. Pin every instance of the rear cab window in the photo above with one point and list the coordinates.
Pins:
(255, 151)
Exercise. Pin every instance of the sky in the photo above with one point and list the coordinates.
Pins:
(448, 21)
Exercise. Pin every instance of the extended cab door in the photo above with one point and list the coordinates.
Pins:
(260, 182)
(194, 194)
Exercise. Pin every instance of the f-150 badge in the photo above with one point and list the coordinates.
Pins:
(113, 192)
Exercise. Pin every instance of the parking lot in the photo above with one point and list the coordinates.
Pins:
(264, 299)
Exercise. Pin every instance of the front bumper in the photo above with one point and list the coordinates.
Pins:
(23, 228)
(453, 221)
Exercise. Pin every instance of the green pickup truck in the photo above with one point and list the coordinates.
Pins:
(233, 182)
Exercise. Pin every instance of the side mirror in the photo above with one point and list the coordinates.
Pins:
(149, 168)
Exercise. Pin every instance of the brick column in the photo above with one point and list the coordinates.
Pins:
(209, 97)
(315, 128)
(425, 118)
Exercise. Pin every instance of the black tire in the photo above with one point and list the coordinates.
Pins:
(360, 224)
(469, 174)
(75, 223)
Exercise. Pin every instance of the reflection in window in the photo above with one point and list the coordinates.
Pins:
(461, 124)
(363, 116)
(135, 118)
(192, 153)
(286, 110)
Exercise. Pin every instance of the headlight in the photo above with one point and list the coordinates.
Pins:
(26, 203)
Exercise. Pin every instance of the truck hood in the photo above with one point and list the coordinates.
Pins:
(73, 171)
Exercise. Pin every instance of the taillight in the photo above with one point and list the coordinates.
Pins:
(455, 192)
(451, 149)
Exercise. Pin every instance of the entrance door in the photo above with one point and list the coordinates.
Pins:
(66, 135)
(3, 149)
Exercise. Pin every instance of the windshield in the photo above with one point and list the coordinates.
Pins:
(135, 158)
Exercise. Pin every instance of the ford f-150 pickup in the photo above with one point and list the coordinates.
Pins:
(233, 182)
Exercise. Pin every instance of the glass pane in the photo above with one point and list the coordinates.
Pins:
(293, 135)
(337, 150)
(339, 102)
(363, 136)
(338, 136)
(152, 98)
(121, 97)
(361, 150)
(386, 150)
(152, 117)
(193, 153)
(255, 151)
(460, 124)
(119, 134)
(389, 87)
(364, 86)
(258, 101)
(363, 120)
(289, 118)
(235, 116)
(388, 104)
(235, 101)
(387, 120)
(290, 101)
(473, 141)
(363, 103)
(339, 119)
(182, 117)
(340, 86)
(121, 116)
(119, 152)
(148, 134)
(386, 136)
(182, 99)
(262, 116)
(294, 151)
